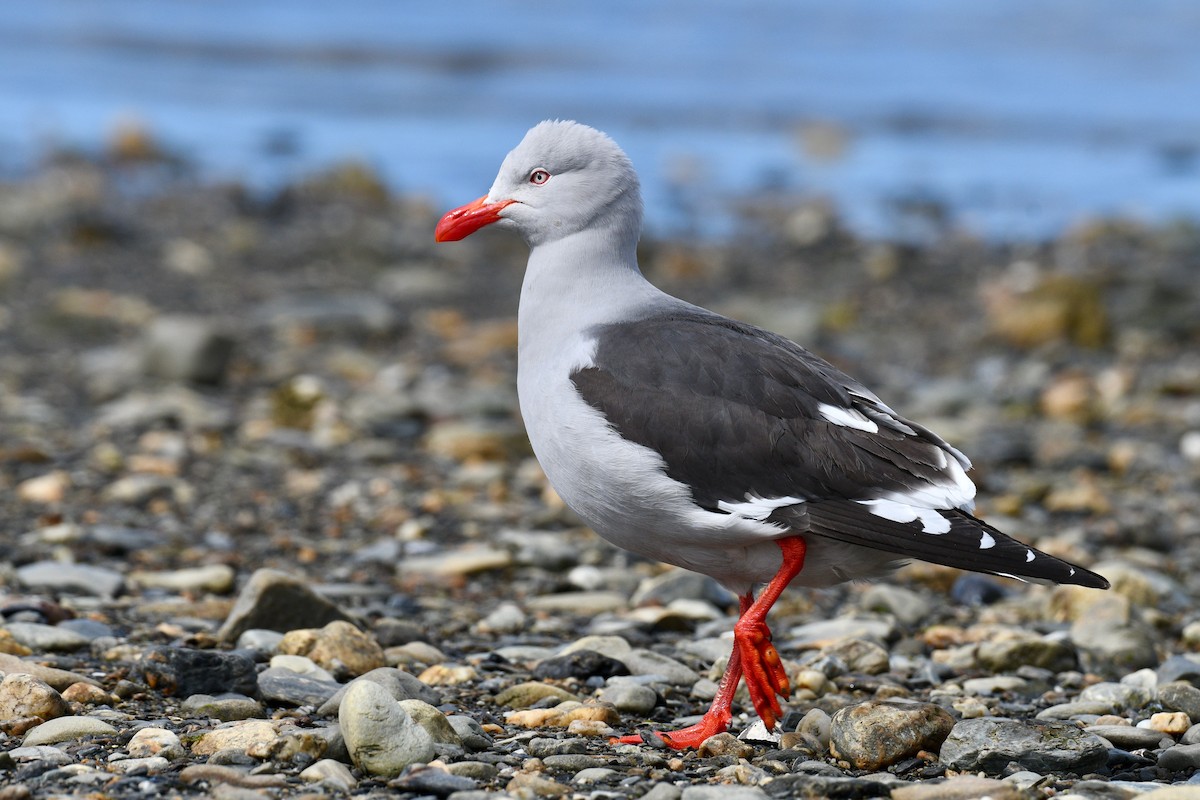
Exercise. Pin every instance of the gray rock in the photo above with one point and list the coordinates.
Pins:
(184, 671)
(876, 734)
(1114, 648)
(433, 721)
(905, 605)
(58, 678)
(44, 753)
(1180, 757)
(66, 729)
(176, 405)
(227, 707)
(39, 637)
(280, 685)
(831, 630)
(1076, 709)
(647, 662)
(1179, 668)
(540, 747)
(989, 744)
(1130, 737)
(439, 782)
(470, 732)
(1118, 695)
(152, 741)
(279, 602)
(148, 765)
(630, 698)
(995, 684)
(723, 792)
(1180, 696)
(663, 791)
(381, 737)
(573, 762)
(259, 640)
(681, 584)
(186, 348)
(398, 683)
(859, 655)
(58, 577)
(593, 775)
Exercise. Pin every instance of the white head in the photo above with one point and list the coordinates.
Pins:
(562, 178)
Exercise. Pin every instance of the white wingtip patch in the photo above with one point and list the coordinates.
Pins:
(848, 418)
(757, 508)
(1029, 556)
(931, 520)
(986, 541)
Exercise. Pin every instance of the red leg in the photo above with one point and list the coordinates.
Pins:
(752, 654)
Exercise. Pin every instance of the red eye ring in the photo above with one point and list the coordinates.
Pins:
(538, 177)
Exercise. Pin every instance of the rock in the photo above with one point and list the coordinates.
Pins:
(525, 695)
(277, 601)
(259, 640)
(581, 664)
(226, 707)
(587, 604)
(279, 685)
(23, 695)
(218, 775)
(647, 662)
(464, 561)
(88, 695)
(724, 744)
(381, 737)
(1117, 695)
(1179, 668)
(148, 742)
(301, 665)
(1172, 723)
(961, 787)
(1180, 696)
(60, 679)
(184, 671)
(722, 792)
(505, 618)
(44, 638)
(448, 675)
(525, 785)
(339, 313)
(876, 734)
(1076, 709)
(239, 736)
(47, 489)
(630, 698)
(66, 729)
(433, 721)
(215, 578)
(833, 630)
(398, 683)
(146, 765)
(339, 647)
(470, 733)
(989, 744)
(59, 578)
(905, 605)
(330, 773)
(186, 348)
(1179, 758)
(425, 781)
(681, 584)
(1130, 737)
(1009, 655)
(859, 655)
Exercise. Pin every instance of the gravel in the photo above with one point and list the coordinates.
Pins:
(255, 447)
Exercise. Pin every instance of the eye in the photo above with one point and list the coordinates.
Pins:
(538, 177)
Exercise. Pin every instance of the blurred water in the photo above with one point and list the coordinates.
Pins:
(1022, 116)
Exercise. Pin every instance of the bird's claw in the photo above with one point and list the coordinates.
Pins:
(766, 678)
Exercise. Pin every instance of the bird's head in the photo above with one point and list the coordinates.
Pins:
(562, 178)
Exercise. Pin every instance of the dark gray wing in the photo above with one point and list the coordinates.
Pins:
(737, 413)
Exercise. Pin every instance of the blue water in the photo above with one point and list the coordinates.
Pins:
(1021, 116)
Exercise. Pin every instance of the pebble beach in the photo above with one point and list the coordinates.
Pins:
(270, 526)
